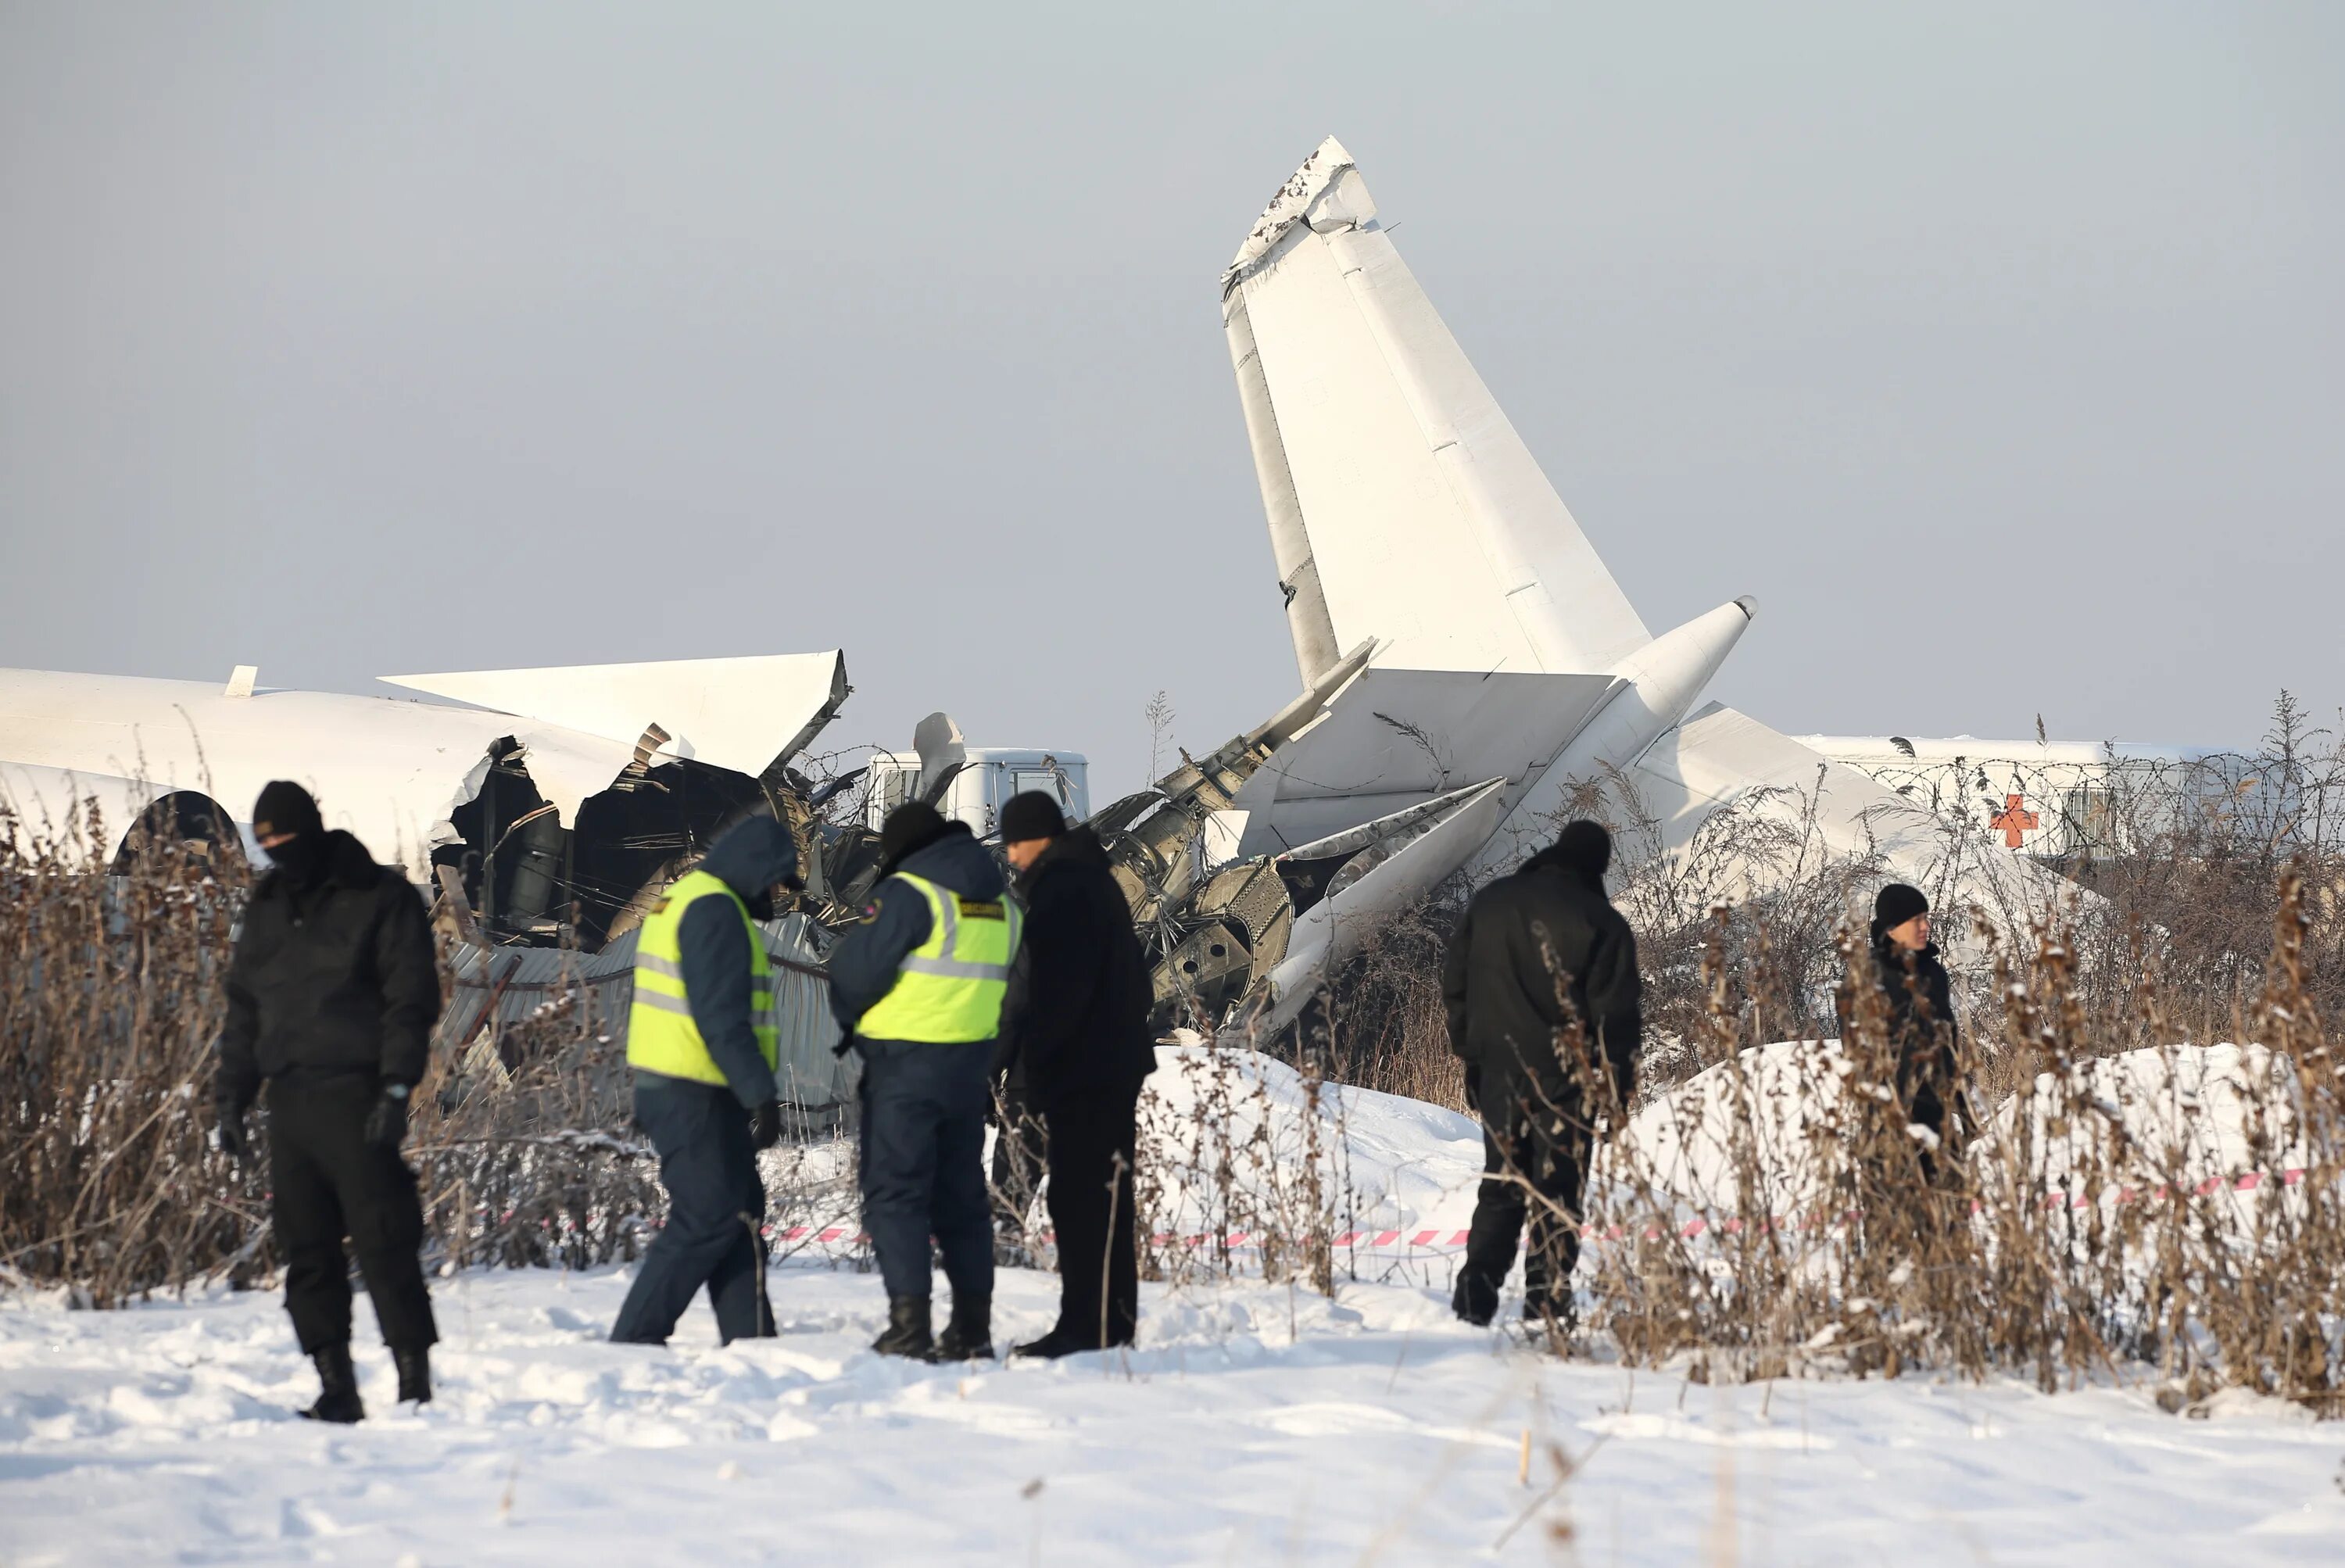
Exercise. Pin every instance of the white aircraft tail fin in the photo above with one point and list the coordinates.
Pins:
(744, 713)
(1403, 506)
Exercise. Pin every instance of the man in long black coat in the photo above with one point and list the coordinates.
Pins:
(1078, 1017)
(331, 995)
(1540, 959)
(1922, 1027)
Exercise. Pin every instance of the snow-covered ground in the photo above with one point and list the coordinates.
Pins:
(1252, 1426)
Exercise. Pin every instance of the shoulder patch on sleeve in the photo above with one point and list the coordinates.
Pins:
(870, 912)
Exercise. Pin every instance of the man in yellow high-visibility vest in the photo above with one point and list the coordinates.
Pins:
(917, 985)
(703, 1041)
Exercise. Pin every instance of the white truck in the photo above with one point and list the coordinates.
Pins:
(990, 777)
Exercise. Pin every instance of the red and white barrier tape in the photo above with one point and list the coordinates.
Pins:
(1439, 1240)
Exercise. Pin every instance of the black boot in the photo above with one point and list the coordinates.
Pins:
(337, 1399)
(968, 1336)
(1476, 1300)
(908, 1332)
(414, 1374)
(1060, 1342)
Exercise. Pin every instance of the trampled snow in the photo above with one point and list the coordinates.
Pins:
(1252, 1424)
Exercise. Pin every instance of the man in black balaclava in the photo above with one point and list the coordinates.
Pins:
(331, 995)
(1543, 997)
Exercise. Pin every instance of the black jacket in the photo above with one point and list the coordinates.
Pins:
(752, 856)
(335, 977)
(1500, 988)
(1922, 1026)
(1075, 1030)
(895, 921)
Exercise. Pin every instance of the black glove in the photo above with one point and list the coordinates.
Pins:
(766, 1125)
(386, 1124)
(233, 1140)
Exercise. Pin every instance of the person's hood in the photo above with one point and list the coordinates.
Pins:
(955, 861)
(1075, 847)
(342, 861)
(752, 855)
(1557, 858)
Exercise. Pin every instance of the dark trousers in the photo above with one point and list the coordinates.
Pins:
(331, 1183)
(1018, 1147)
(1535, 1167)
(923, 1162)
(1090, 1155)
(715, 1209)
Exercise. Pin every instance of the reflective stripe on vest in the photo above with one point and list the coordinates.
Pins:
(950, 988)
(661, 1035)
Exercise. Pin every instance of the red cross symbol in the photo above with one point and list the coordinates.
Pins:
(2014, 820)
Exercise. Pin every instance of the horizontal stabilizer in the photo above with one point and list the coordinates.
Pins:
(749, 715)
(1394, 738)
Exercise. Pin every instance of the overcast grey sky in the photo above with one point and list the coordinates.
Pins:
(2001, 354)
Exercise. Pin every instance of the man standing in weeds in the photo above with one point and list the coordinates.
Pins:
(703, 1041)
(1920, 1023)
(1077, 1030)
(1542, 993)
(331, 994)
(917, 986)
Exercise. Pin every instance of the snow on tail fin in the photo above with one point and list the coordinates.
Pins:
(1403, 506)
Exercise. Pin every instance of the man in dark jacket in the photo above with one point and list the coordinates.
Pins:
(704, 1090)
(1543, 997)
(917, 985)
(1078, 1028)
(1919, 997)
(331, 994)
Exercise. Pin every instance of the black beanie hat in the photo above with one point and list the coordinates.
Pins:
(1586, 848)
(285, 807)
(910, 827)
(1031, 814)
(1894, 905)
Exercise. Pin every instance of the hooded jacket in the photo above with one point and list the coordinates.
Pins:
(749, 858)
(895, 919)
(1502, 994)
(1075, 1026)
(334, 974)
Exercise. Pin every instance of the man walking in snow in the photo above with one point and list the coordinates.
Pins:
(1077, 1029)
(703, 1041)
(1543, 998)
(331, 994)
(917, 985)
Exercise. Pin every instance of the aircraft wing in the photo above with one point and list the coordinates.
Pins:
(744, 713)
(1403, 506)
(1719, 756)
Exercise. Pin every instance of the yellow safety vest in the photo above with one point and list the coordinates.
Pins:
(950, 988)
(661, 1035)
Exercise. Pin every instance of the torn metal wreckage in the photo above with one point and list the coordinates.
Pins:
(1470, 671)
